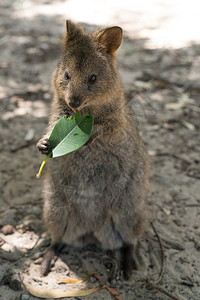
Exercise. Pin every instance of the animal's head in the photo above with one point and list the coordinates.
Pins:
(86, 74)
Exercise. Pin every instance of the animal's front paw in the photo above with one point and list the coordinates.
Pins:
(43, 145)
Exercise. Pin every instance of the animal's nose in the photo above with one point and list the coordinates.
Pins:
(75, 102)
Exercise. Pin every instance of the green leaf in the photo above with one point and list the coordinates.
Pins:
(69, 135)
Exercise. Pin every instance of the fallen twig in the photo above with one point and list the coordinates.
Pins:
(192, 205)
(154, 285)
(186, 160)
(162, 253)
(173, 244)
(113, 291)
(161, 290)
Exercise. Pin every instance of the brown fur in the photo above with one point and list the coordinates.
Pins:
(99, 190)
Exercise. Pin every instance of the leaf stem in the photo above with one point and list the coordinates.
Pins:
(42, 166)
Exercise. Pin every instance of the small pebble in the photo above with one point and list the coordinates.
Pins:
(15, 285)
(7, 229)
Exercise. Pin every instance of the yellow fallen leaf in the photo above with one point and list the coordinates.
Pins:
(73, 280)
(58, 293)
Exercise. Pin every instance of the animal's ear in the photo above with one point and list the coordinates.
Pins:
(72, 29)
(110, 39)
(70, 26)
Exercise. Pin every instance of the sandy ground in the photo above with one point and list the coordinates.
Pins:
(162, 87)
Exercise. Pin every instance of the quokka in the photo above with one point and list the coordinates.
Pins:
(97, 193)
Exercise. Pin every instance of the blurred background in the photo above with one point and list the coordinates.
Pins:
(166, 23)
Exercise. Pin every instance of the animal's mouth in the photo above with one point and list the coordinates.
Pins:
(82, 106)
(75, 109)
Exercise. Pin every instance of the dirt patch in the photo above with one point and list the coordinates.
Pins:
(162, 86)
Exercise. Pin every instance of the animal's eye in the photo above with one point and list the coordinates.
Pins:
(92, 78)
(66, 76)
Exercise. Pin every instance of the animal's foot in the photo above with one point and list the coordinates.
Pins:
(49, 256)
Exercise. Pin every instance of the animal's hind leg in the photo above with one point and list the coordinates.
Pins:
(56, 245)
(52, 251)
(126, 259)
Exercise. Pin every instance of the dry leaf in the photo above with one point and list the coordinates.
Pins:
(166, 211)
(183, 103)
(188, 125)
(193, 107)
(174, 106)
(58, 293)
